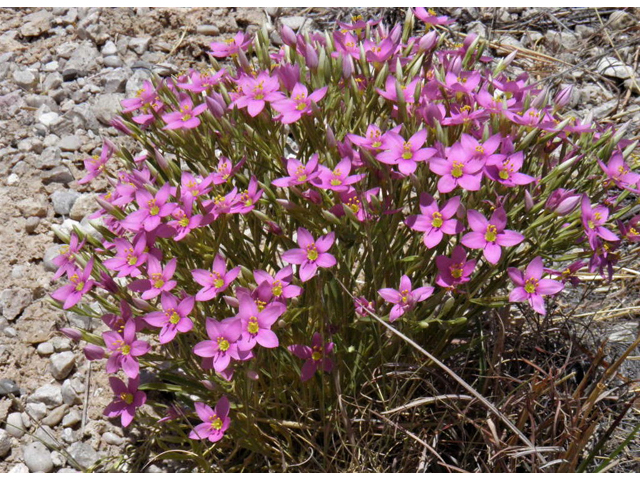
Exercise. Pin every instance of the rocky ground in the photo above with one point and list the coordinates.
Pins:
(63, 72)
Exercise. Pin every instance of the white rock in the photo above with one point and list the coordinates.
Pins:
(15, 426)
(50, 395)
(19, 468)
(62, 364)
(36, 410)
(47, 119)
(13, 179)
(612, 67)
(37, 457)
(45, 349)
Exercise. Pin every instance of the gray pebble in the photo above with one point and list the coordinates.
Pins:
(25, 79)
(8, 387)
(61, 344)
(69, 436)
(62, 364)
(59, 174)
(55, 417)
(50, 395)
(72, 390)
(37, 457)
(31, 224)
(84, 454)
(69, 143)
(63, 200)
(36, 410)
(45, 349)
(15, 425)
(111, 438)
(13, 301)
(139, 44)
(72, 418)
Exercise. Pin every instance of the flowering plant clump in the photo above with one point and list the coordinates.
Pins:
(280, 201)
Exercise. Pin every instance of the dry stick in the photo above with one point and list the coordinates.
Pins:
(427, 401)
(455, 376)
(85, 407)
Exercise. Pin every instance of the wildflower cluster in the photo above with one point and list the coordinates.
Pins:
(280, 198)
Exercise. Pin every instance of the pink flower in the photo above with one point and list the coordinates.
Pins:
(95, 165)
(373, 138)
(391, 86)
(173, 318)
(299, 174)
(129, 258)
(404, 299)
(226, 170)
(184, 221)
(457, 170)
(593, 220)
(193, 187)
(256, 92)
(430, 17)
(507, 171)
(490, 235)
(256, 324)
(618, 171)
(292, 109)
(201, 81)
(278, 286)
(462, 82)
(215, 281)
(403, 153)
(151, 210)
(531, 287)
(125, 400)
(316, 356)
(363, 306)
(247, 199)
(231, 46)
(337, 179)
(66, 262)
(223, 345)
(455, 270)
(125, 348)
(145, 96)
(186, 117)
(435, 222)
(159, 279)
(80, 284)
(311, 254)
(215, 421)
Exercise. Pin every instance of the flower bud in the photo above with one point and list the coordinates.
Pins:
(428, 41)
(215, 104)
(563, 97)
(93, 352)
(311, 56)
(347, 66)
(528, 201)
(562, 201)
(118, 124)
(288, 36)
(71, 333)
